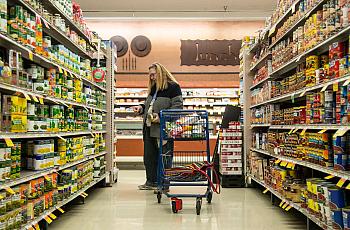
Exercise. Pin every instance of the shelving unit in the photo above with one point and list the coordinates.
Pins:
(76, 121)
(269, 105)
(199, 98)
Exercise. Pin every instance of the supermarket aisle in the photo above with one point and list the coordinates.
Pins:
(123, 207)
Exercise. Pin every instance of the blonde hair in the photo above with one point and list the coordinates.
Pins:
(163, 77)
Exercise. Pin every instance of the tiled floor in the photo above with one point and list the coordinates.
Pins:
(124, 207)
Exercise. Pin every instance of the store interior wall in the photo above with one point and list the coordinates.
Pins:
(166, 37)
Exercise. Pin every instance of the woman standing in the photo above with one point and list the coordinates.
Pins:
(164, 92)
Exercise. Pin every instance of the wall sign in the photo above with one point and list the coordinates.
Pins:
(210, 52)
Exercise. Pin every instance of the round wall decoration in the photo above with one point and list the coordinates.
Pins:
(141, 46)
(122, 45)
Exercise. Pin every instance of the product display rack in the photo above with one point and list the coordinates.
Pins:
(31, 56)
(296, 206)
(125, 97)
(292, 99)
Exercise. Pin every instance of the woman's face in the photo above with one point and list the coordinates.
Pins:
(153, 74)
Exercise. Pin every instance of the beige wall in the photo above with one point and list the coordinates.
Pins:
(165, 37)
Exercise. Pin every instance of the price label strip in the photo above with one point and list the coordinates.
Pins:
(61, 210)
(288, 208)
(341, 182)
(53, 216)
(282, 202)
(329, 177)
(265, 191)
(322, 131)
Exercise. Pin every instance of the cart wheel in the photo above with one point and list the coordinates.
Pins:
(210, 197)
(173, 206)
(198, 205)
(159, 197)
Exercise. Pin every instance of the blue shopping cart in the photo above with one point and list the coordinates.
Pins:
(184, 168)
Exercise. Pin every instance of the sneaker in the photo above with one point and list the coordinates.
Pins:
(147, 186)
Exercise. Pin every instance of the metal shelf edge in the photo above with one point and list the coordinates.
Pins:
(64, 202)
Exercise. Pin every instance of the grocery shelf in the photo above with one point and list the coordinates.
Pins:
(253, 47)
(321, 47)
(331, 171)
(260, 62)
(50, 6)
(62, 203)
(127, 137)
(310, 126)
(32, 135)
(283, 17)
(297, 23)
(259, 125)
(56, 33)
(296, 206)
(185, 103)
(297, 93)
(260, 83)
(127, 112)
(27, 175)
(15, 89)
(9, 43)
(126, 121)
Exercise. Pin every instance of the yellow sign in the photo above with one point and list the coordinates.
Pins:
(295, 130)
(284, 163)
(48, 219)
(10, 190)
(53, 216)
(27, 97)
(31, 57)
(282, 202)
(340, 132)
(347, 187)
(290, 132)
(324, 88)
(277, 161)
(335, 87)
(9, 142)
(60, 69)
(60, 209)
(41, 100)
(265, 191)
(288, 208)
(35, 98)
(303, 132)
(285, 205)
(322, 131)
(341, 182)
(37, 227)
(329, 177)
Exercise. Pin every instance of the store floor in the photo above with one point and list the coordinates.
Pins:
(124, 207)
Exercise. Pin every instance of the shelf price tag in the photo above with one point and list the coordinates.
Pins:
(324, 88)
(60, 209)
(295, 130)
(82, 195)
(9, 142)
(41, 100)
(293, 98)
(60, 69)
(293, 8)
(288, 208)
(348, 186)
(10, 190)
(52, 216)
(290, 165)
(272, 30)
(284, 164)
(322, 131)
(35, 98)
(303, 93)
(277, 161)
(48, 219)
(30, 228)
(346, 82)
(47, 177)
(329, 177)
(71, 75)
(30, 55)
(335, 87)
(85, 194)
(61, 138)
(282, 202)
(341, 182)
(293, 166)
(36, 226)
(303, 132)
(65, 72)
(27, 96)
(340, 132)
(291, 131)
(285, 205)
(265, 191)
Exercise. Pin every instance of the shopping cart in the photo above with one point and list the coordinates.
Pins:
(184, 168)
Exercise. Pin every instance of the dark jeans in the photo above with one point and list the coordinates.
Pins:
(151, 156)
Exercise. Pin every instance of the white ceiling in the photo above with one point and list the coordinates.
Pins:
(215, 9)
